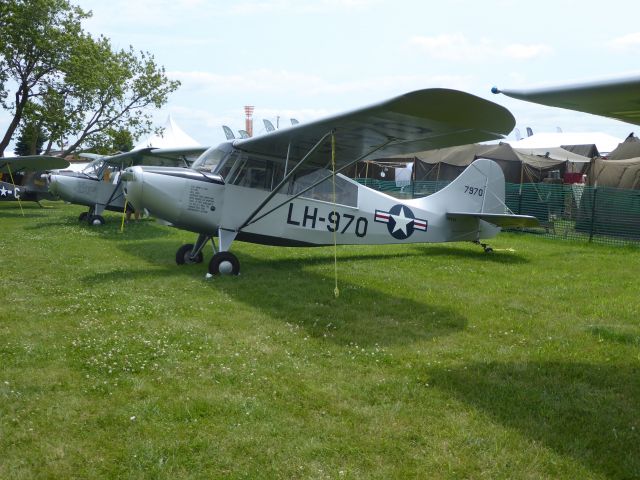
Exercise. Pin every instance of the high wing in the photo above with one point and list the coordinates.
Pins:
(416, 121)
(619, 99)
(31, 163)
(158, 157)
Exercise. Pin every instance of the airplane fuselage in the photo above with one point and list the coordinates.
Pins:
(204, 204)
(30, 187)
(83, 190)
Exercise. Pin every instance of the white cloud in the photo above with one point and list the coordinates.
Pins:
(519, 51)
(627, 42)
(457, 47)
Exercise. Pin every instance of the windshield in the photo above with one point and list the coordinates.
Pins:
(210, 159)
(93, 168)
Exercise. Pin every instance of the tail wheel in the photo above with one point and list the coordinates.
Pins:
(224, 263)
(96, 220)
(183, 255)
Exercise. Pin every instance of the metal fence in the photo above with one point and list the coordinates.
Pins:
(578, 212)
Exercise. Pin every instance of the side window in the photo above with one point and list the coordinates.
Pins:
(346, 191)
(254, 172)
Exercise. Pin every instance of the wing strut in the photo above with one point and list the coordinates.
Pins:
(285, 179)
(251, 220)
(14, 188)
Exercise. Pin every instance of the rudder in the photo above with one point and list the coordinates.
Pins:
(478, 189)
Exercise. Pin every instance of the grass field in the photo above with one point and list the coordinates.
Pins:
(436, 361)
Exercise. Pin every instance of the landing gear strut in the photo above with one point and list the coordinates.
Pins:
(223, 262)
(92, 217)
(189, 253)
(184, 255)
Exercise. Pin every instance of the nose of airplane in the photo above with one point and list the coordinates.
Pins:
(132, 186)
(54, 185)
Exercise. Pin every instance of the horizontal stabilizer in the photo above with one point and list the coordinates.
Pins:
(500, 219)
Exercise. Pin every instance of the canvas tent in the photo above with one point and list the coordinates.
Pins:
(519, 166)
(615, 173)
(588, 150)
(630, 148)
(172, 136)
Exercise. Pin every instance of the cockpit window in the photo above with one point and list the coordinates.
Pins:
(209, 160)
(94, 168)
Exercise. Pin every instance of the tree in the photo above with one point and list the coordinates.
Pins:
(30, 140)
(106, 90)
(79, 85)
(37, 36)
(111, 142)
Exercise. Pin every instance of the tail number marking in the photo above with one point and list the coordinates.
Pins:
(469, 190)
(333, 221)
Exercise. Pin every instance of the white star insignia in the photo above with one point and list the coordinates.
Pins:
(3, 191)
(401, 222)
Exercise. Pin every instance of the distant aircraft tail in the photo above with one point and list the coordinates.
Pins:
(478, 192)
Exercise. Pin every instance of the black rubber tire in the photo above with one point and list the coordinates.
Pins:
(183, 255)
(83, 217)
(228, 261)
(96, 220)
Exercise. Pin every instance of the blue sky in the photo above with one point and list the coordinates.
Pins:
(308, 59)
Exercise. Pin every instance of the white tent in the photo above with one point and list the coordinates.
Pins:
(172, 137)
(604, 143)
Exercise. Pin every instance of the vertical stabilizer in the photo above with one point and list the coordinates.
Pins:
(478, 189)
(477, 193)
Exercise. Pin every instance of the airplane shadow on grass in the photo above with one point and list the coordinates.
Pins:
(142, 230)
(476, 253)
(28, 211)
(299, 290)
(583, 411)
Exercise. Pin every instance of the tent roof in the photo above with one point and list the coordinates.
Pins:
(630, 148)
(604, 142)
(589, 150)
(172, 137)
(506, 152)
(556, 153)
(463, 155)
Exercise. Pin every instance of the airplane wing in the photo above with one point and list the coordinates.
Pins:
(619, 99)
(417, 121)
(31, 163)
(158, 157)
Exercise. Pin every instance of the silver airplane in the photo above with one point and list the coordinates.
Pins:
(99, 186)
(22, 178)
(285, 187)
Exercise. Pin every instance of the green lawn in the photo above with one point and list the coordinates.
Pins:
(436, 361)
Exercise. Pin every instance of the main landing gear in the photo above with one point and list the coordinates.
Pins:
(91, 219)
(487, 248)
(222, 262)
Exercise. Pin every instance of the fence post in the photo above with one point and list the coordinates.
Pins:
(520, 200)
(413, 179)
(593, 213)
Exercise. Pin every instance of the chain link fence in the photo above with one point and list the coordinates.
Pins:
(569, 211)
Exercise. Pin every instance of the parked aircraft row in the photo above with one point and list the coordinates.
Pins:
(285, 187)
